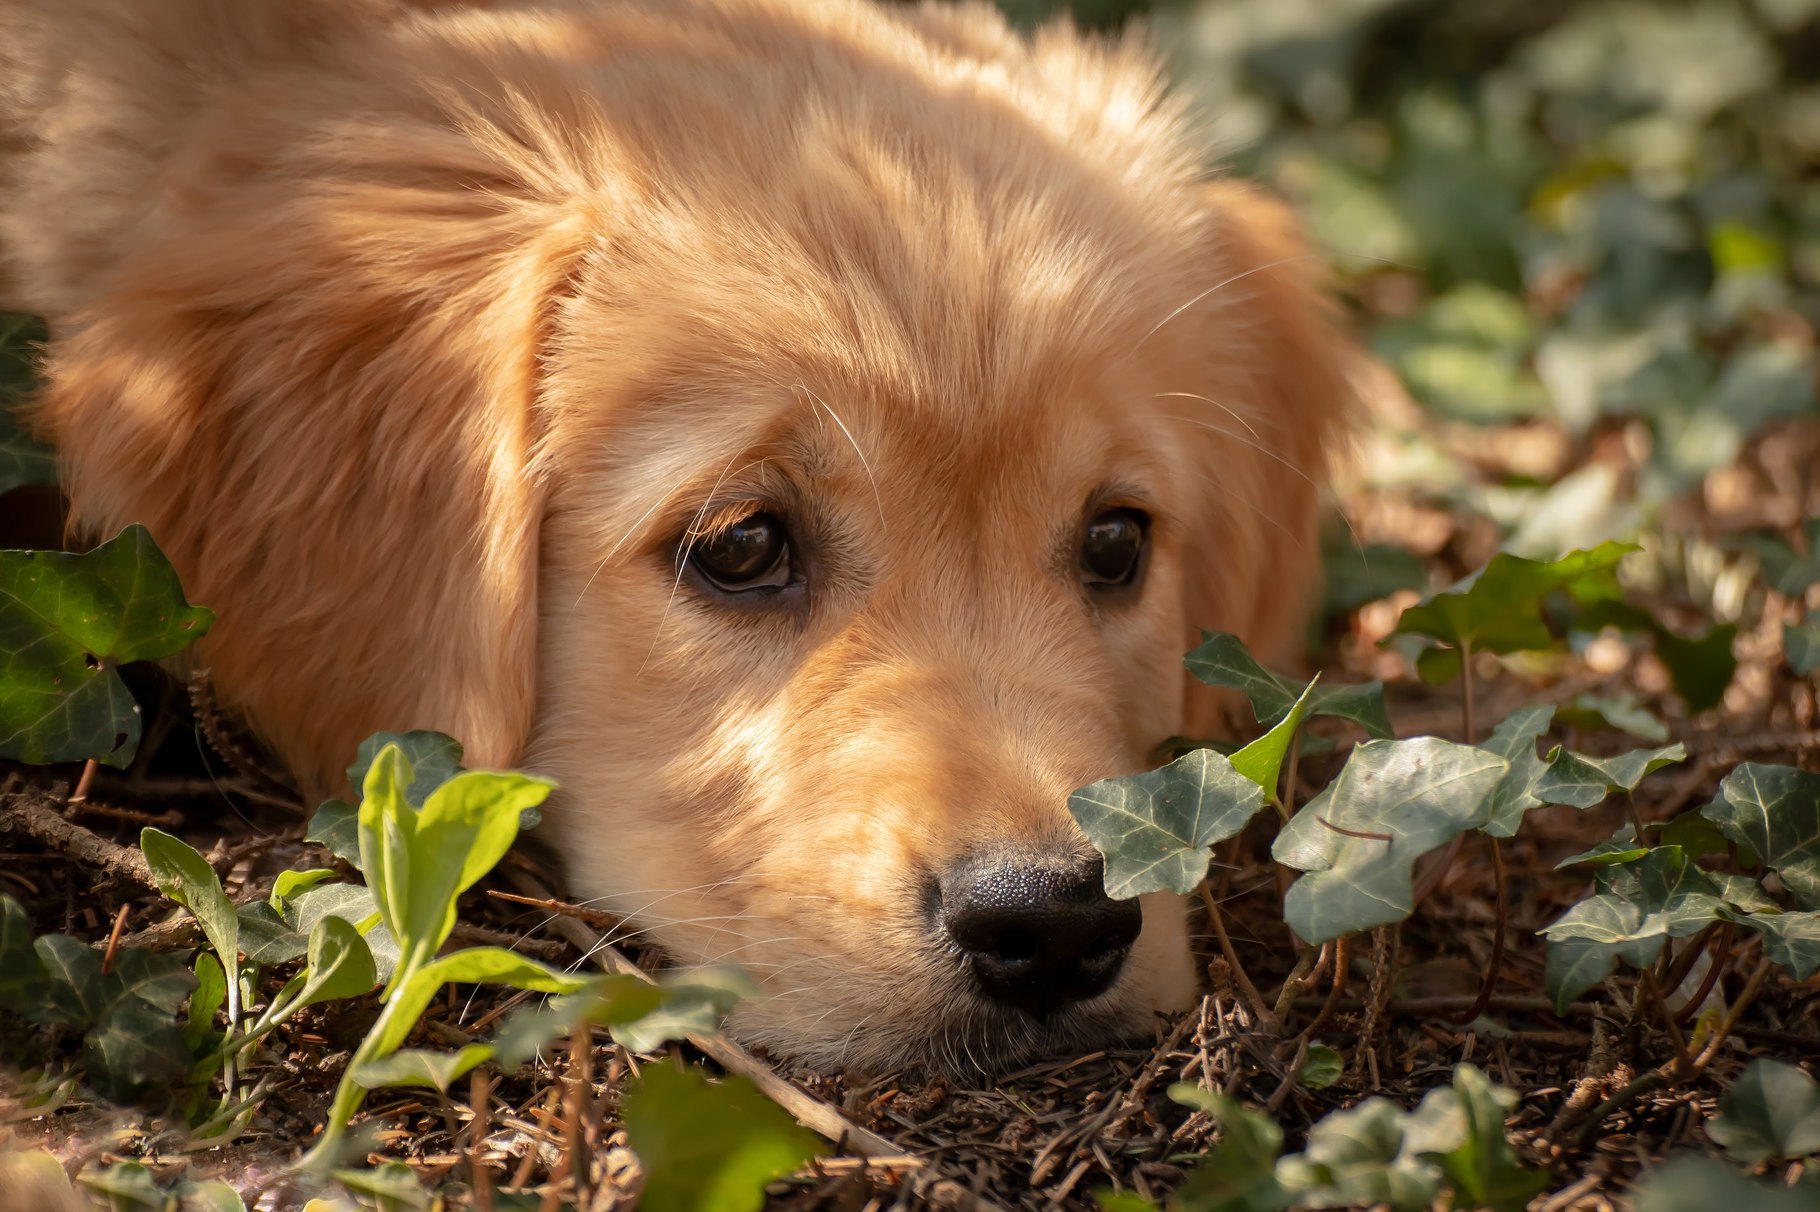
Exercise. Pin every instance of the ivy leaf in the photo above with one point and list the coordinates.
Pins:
(335, 825)
(132, 1041)
(1790, 939)
(1772, 1114)
(1801, 644)
(1585, 782)
(66, 621)
(1239, 1174)
(419, 860)
(1223, 660)
(1393, 802)
(1158, 829)
(24, 984)
(1636, 908)
(1774, 812)
(1262, 760)
(1499, 607)
(1484, 1171)
(185, 876)
(1621, 712)
(434, 759)
(1620, 847)
(1514, 740)
(707, 1146)
(1356, 1158)
(22, 460)
(1695, 834)
(1700, 1184)
(1785, 570)
(1701, 667)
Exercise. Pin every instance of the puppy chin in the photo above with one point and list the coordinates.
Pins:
(934, 1020)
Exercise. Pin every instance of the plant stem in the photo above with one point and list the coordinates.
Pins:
(1239, 975)
(348, 1092)
(1466, 720)
(1489, 985)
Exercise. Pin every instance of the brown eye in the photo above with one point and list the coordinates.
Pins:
(752, 553)
(1112, 549)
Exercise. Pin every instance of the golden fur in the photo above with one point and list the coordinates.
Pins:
(421, 335)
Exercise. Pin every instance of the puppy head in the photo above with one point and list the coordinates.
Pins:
(820, 498)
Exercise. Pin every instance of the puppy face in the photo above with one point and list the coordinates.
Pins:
(814, 440)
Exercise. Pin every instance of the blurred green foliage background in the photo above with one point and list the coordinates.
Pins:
(1597, 213)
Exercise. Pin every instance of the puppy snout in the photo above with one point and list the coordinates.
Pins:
(1037, 935)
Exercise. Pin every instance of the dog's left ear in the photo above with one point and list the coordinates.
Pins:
(1284, 367)
(317, 385)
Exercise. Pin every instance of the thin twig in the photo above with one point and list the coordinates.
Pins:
(810, 1112)
(113, 939)
(1489, 985)
(1341, 946)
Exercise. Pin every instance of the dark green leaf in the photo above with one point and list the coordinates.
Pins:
(127, 1187)
(434, 759)
(1499, 608)
(1158, 829)
(1622, 711)
(1514, 740)
(1238, 1174)
(1359, 575)
(1637, 907)
(1700, 1184)
(336, 826)
(22, 460)
(1223, 660)
(605, 1001)
(1393, 802)
(1801, 644)
(1790, 939)
(66, 621)
(265, 937)
(1772, 1114)
(1321, 1067)
(1585, 782)
(1620, 847)
(24, 984)
(1774, 812)
(706, 1146)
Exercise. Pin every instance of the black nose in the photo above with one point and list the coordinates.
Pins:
(1038, 935)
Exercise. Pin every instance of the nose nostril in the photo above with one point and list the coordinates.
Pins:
(1015, 945)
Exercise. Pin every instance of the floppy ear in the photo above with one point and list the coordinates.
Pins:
(1282, 363)
(314, 379)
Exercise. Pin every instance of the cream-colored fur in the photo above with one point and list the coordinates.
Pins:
(424, 336)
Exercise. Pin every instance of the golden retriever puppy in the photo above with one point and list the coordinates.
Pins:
(811, 431)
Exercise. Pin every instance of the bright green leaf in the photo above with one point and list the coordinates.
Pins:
(1158, 829)
(420, 1067)
(339, 965)
(1393, 802)
(1771, 1114)
(1585, 782)
(211, 1196)
(1262, 760)
(291, 883)
(206, 1001)
(605, 1001)
(1774, 812)
(185, 876)
(1223, 660)
(473, 966)
(66, 622)
(708, 1146)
